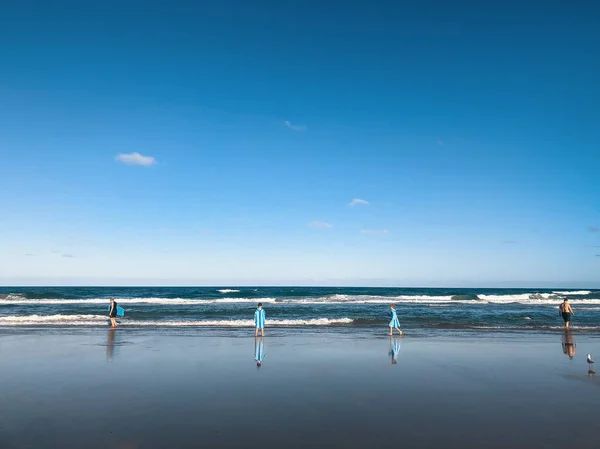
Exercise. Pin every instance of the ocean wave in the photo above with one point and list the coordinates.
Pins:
(228, 290)
(574, 293)
(367, 299)
(532, 327)
(72, 320)
(515, 298)
(94, 320)
(156, 301)
(336, 299)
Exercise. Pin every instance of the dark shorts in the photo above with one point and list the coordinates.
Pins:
(566, 316)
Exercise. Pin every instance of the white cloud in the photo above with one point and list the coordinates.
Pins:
(319, 225)
(295, 127)
(68, 256)
(374, 231)
(29, 255)
(357, 201)
(136, 159)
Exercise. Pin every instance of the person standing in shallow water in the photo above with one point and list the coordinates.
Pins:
(566, 311)
(113, 312)
(259, 320)
(394, 323)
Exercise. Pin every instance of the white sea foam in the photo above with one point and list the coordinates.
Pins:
(369, 299)
(94, 320)
(157, 301)
(228, 290)
(70, 320)
(535, 327)
(514, 298)
(577, 292)
(337, 299)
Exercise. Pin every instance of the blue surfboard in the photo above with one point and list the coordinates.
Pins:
(120, 311)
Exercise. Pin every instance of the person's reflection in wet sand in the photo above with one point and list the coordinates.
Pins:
(259, 350)
(110, 344)
(568, 343)
(395, 345)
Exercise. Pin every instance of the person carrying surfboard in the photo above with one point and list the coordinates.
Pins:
(113, 312)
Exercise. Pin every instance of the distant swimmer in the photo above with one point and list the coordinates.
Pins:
(566, 311)
(259, 320)
(394, 323)
(113, 312)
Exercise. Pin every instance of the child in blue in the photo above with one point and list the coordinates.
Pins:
(394, 323)
(259, 320)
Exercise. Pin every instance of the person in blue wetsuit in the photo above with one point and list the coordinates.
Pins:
(394, 323)
(259, 351)
(259, 320)
(395, 346)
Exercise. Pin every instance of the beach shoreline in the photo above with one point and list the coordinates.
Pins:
(135, 389)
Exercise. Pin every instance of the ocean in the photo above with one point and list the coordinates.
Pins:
(317, 308)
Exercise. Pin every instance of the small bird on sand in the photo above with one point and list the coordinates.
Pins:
(590, 361)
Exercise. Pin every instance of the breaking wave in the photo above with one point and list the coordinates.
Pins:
(98, 320)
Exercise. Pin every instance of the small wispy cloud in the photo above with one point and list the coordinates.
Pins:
(357, 201)
(510, 242)
(374, 231)
(441, 143)
(68, 256)
(294, 127)
(320, 225)
(593, 229)
(135, 159)
(29, 255)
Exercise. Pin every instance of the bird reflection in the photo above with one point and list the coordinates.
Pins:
(568, 343)
(259, 350)
(395, 345)
(110, 344)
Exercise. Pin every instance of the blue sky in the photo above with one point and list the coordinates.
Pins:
(469, 128)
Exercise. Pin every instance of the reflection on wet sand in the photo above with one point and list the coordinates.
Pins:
(395, 345)
(259, 350)
(568, 343)
(110, 344)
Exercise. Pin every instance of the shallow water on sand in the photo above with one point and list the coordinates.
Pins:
(141, 389)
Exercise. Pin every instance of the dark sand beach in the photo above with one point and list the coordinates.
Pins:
(137, 389)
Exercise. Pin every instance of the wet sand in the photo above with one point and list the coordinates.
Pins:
(146, 390)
